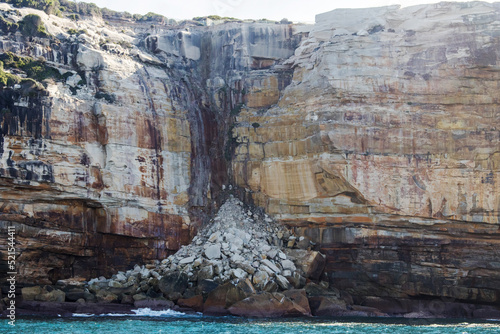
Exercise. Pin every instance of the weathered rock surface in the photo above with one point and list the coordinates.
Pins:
(383, 150)
(119, 162)
(325, 306)
(268, 304)
(373, 135)
(195, 303)
(219, 300)
(173, 284)
(47, 294)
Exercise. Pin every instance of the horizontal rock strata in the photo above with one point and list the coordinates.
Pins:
(384, 150)
(373, 136)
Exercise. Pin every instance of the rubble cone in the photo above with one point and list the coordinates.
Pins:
(239, 246)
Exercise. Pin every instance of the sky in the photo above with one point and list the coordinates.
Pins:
(294, 10)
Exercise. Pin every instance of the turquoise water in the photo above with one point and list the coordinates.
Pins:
(173, 322)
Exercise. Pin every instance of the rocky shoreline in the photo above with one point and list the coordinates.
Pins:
(241, 264)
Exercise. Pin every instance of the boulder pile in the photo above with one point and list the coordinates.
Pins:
(242, 263)
(240, 244)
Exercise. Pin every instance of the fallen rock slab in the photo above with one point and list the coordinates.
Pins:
(299, 297)
(195, 303)
(219, 300)
(327, 306)
(173, 285)
(267, 305)
(312, 263)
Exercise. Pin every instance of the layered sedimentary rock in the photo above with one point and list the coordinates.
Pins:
(374, 133)
(120, 161)
(384, 149)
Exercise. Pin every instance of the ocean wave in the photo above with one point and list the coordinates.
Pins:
(141, 312)
(147, 312)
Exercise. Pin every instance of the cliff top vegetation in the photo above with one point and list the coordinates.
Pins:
(75, 9)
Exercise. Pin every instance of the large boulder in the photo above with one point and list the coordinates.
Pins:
(74, 282)
(260, 279)
(206, 273)
(45, 294)
(327, 306)
(247, 287)
(213, 252)
(282, 282)
(29, 293)
(126, 299)
(104, 296)
(206, 286)
(54, 295)
(296, 280)
(268, 305)
(312, 263)
(173, 284)
(219, 300)
(195, 303)
(299, 297)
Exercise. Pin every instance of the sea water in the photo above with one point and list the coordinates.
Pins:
(171, 322)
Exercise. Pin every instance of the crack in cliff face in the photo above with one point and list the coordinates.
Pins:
(184, 94)
(155, 136)
(207, 174)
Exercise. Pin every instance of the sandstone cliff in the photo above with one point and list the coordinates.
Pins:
(384, 149)
(374, 133)
(120, 161)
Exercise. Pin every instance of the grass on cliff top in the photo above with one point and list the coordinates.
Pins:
(215, 18)
(48, 6)
(77, 9)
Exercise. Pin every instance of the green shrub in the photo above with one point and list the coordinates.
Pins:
(48, 6)
(7, 26)
(7, 79)
(149, 17)
(35, 69)
(32, 25)
(76, 32)
(29, 87)
(255, 125)
(215, 18)
(82, 8)
(73, 17)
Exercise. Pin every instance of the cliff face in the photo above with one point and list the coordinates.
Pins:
(120, 161)
(374, 133)
(384, 149)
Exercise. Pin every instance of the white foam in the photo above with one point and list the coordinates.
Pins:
(141, 312)
(82, 315)
(147, 312)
